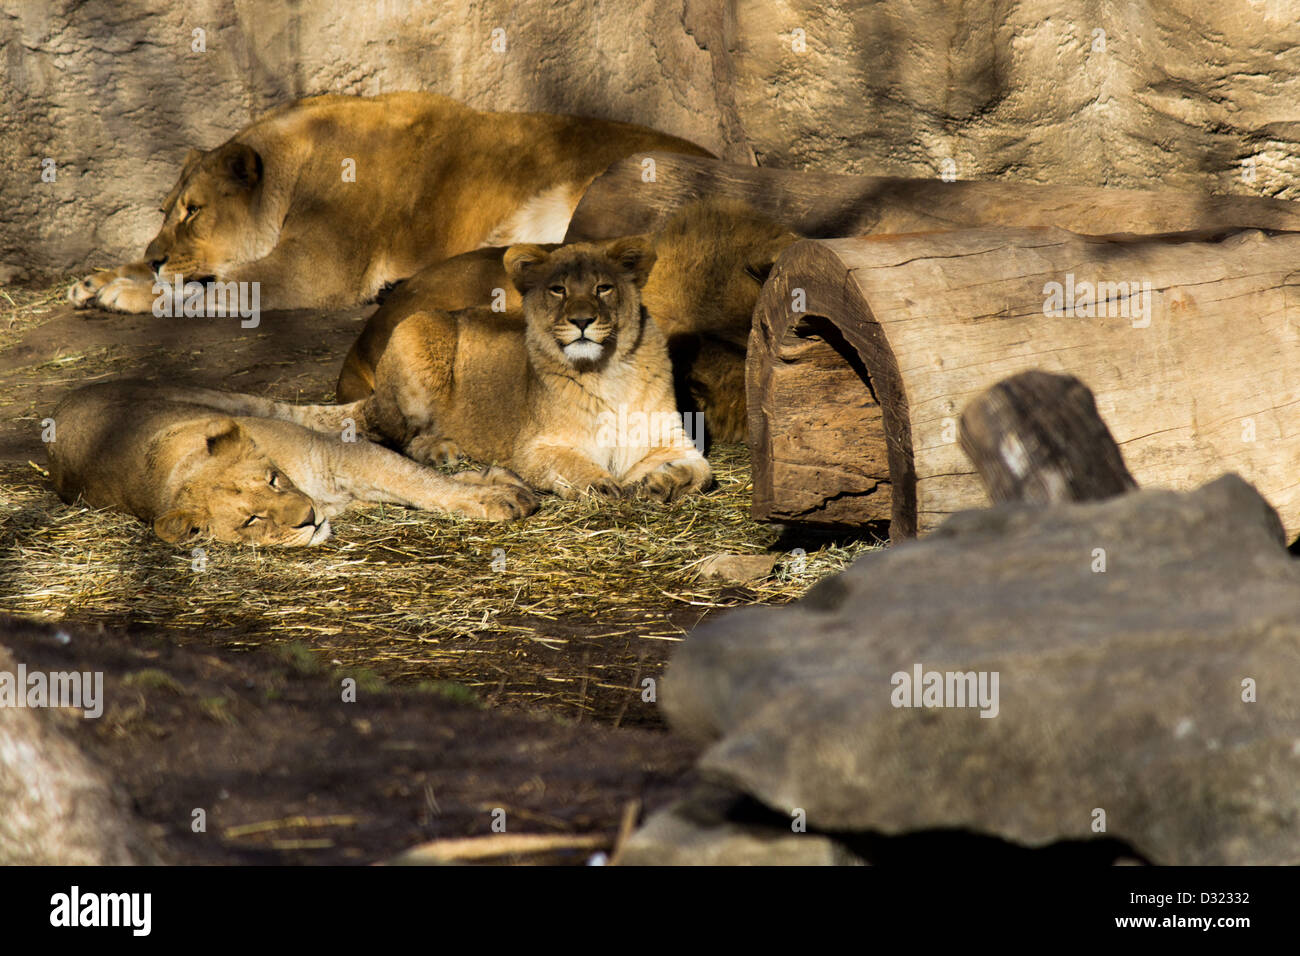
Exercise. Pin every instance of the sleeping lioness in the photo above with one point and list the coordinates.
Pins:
(172, 457)
(711, 259)
(326, 200)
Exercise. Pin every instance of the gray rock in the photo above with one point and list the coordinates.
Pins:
(1119, 691)
(695, 831)
(57, 808)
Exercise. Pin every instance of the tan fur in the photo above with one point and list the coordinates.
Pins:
(471, 279)
(433, 178)
(180, 459)
(712, 257)
(544, 398)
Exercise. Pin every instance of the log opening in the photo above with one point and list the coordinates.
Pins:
(826, 402)
(1189, 347)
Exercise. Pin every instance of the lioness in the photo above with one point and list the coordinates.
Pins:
(326, 200)
(172, 457)
(712, 259)
(577, 401)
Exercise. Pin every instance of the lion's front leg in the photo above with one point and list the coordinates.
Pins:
(566, 472)
(368, 472)
(667, 474)
(318, 272)
(128, 288)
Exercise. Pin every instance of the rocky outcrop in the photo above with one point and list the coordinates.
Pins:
(1172, 93)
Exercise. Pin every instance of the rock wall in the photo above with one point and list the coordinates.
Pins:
(1131, 93)
(1170, 93)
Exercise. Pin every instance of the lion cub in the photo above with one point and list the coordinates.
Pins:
(712, 257)
(177, 458)
(577, 401)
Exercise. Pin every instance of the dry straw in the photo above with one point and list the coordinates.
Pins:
(409, 595)
(590, 599)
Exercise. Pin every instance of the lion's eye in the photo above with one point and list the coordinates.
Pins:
(251, 519)
(604, 289)
(191, 210)
(556, 290)
(274, 480)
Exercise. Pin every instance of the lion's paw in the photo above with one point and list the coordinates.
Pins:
(128, 288)
(501, 502)
(667, 483)
(433, 450)
(82, 294)
(605, 488)
(492, 475)
(126, 295)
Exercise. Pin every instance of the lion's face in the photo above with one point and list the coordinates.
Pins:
(582, 303)
(233, 492)
(209, 221)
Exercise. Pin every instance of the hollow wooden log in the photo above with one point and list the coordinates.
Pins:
(631, 197)
(1189, 346)
(1037, 438)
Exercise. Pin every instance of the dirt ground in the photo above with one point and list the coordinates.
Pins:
(286, 772)
(524, 685)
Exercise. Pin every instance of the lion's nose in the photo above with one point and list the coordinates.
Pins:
(311, 519)
(156, 264)
(582, 321)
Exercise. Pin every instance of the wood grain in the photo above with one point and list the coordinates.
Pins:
(1204, 384)
(824, 205)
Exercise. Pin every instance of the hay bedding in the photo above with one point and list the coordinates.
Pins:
(569, 610)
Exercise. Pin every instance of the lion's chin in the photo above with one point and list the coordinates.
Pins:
(583, 353)
(317, 534)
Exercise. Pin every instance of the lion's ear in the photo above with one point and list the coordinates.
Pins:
(177, 525)
(225, 437)
(240, 163)
(634, 255)
(523, 265)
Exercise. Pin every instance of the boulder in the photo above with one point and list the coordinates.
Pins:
(1139, 658)
(58, 808)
